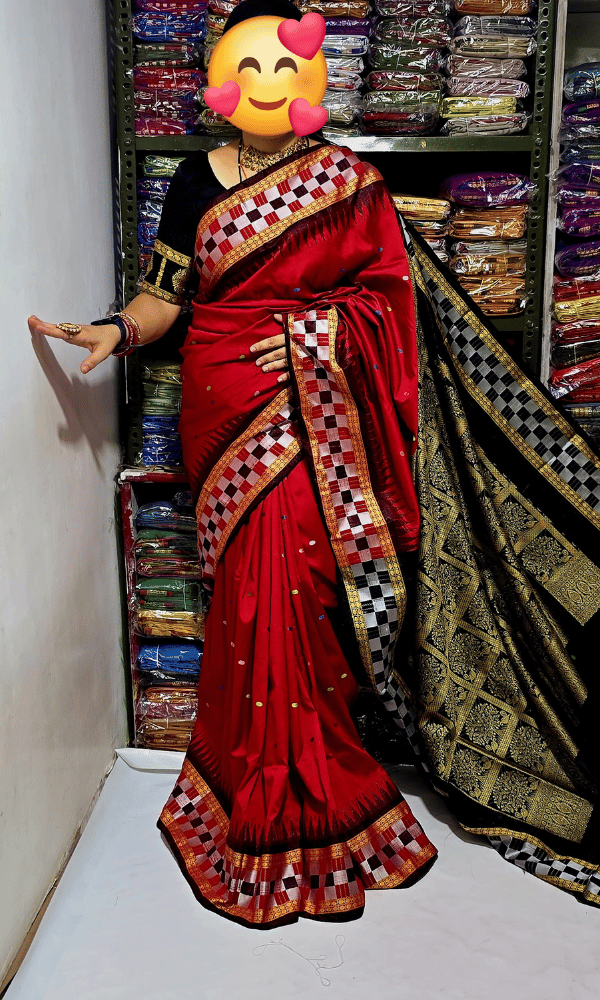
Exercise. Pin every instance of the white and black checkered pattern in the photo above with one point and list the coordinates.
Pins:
(512, 400)
(536, 861)
(355, 528)
(242, 474)
(272, 206)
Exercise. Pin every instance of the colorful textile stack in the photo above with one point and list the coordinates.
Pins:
(405, 54)
(489, 224)
(168, 605)
(151, 193)
(485, 66)
(161, 406)
(166, 76)
(430, 217)
(575, 355)
(166, 716)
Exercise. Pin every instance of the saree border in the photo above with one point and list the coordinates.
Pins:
(372, 589)
(193, 818)
(520, 380)
(220, 529)
(234, 209)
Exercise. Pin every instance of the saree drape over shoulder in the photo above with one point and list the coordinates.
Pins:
(392, 437)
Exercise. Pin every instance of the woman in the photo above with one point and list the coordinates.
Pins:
(300, 467)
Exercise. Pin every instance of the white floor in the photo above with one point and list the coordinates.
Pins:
(124, 924)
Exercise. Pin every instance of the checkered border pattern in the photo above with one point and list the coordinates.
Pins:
(315, 880)
(274, 205)
(512, 401)
(571, 875)
(241, 476)
(361, 544)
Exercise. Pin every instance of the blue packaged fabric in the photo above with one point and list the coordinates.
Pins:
(173, 658)
(149, 211)
(164, 514)
(171, 27)
(582, 81)
(153, 188)
(147, 233)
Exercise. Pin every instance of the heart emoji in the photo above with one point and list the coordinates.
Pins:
(304, 38)
(305, 119)
(224, 100)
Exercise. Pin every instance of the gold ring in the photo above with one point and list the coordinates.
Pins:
(71, 329)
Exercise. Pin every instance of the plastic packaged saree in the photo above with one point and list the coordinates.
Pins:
(406, 56)
(582, 82)
(166, 716)
(493, 223)
(175, 663)
(337, 8)
(161, 623)
(154, 165)
(578, 259)
(492, 264)
(513, 7)
(580, 221)
(404, 80)
(496, 295)
(487, 188)
(414, 208)
(174, 54)
(566, 333)
(582, 113)
(486, 124)
(462, 107)
(573, 353)
(431, 32)
(477, 67)
(170, 27)
(413, 8)
(166, 514)
(466, 86)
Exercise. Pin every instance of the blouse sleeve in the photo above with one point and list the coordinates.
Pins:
(168, 276)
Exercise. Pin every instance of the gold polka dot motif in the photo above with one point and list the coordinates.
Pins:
(294, 704)
(258, 704)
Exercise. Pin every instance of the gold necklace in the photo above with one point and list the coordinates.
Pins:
(257, 159)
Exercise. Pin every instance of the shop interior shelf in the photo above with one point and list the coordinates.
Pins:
(360, 144)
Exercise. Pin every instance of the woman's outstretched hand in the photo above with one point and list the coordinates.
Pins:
(99, 340)
(276, 359)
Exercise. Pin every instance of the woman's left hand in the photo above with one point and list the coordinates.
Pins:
(276, 359)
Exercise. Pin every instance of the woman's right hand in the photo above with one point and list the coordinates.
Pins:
(99, 340)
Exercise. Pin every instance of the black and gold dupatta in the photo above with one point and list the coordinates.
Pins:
(502, 680)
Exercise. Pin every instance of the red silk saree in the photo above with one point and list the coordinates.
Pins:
(306, 503)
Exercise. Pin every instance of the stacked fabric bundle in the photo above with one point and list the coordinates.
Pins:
(575, 356)
(485, 68)
(489, 223)
(166, 76)
(430, 217)
(169, 663)
(151, 193)
(210, 121)
(161, 406)
(166, 716)
(166, 553)
(405, 55)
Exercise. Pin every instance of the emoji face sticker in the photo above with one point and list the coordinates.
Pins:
(268, 74)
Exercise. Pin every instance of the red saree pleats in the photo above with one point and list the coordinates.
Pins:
(279, 811)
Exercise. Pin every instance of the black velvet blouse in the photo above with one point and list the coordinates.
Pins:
(172, 276)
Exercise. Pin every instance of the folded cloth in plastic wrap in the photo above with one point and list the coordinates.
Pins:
(413, 8)
(174, 105)
(583, 376)
(160, 400)
(580, 150)
(487, 188)
(170, 593)
(175, 663)
(575, 288)
(492, 247)
(430, 229)
(155, 165)
(570, 310)
(469, 41)
(433, 32)
(582, 112)
(344, 81)
(347, 26)
(337, 8)
(334, 133)
(514, 7)
(149, 211)
(345, 64)
(492, 27)
(343, 107)
(173, 515)
(576, 332)
(408, 56)
(488, 125)
(403, 80)
(582, 81)
(577, 260)
(154, 543)
(161, 444)
(502, 295)
(412, 111)
(166, 716)
(180, 55)
(170, 27)
(580, 221)
(214, 123)
(414, 208)
(147, 232)
(343, 45)
(481, 86)
(170, 6)
(169, 624)
(572, 196)
(152, 188)
(493, 264)
(162, 371)
(168, 78)
(494, 223)
(565, 355)
(588, 134)
(476, 68)
(584, 173)
(439, 248)
(165, 564)
(462, 107)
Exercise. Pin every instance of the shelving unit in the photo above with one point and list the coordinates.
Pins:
(412, 165)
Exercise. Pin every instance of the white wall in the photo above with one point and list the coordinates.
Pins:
(61, 690)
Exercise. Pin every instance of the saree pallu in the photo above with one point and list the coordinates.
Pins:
(307, 510)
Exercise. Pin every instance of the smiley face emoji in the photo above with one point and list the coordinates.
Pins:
(268, 74)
